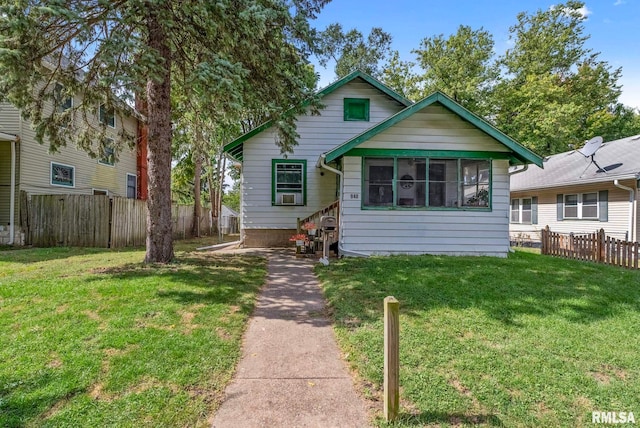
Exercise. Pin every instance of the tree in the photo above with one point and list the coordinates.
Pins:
(461, 66)
(251, 49)
(351, 51)
(399, 76)
(556, 92)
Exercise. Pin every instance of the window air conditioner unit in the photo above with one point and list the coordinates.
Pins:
(288, 199)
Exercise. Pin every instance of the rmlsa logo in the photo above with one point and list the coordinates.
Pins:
(612, 418)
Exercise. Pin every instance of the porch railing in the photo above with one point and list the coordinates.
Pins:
(332, 209)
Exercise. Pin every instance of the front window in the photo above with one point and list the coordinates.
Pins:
(289, 182)
(107, 116)
(426, 183)
(581, 206)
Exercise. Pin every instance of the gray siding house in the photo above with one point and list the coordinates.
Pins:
(574, 194)
(409, 178)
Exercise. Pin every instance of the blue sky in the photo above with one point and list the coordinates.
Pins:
(614, 27)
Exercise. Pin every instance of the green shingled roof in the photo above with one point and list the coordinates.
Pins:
(235, 148)
(520, 153)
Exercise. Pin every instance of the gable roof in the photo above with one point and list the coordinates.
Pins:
(619, 158)
(520, 153)
(234, 148)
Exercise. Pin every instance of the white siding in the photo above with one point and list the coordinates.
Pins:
(618, 212)
(9, 118)
(318, 134)
(434, 128)
(370, 231)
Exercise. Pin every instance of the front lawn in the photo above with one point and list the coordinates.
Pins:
(91, 337)
(524, 341)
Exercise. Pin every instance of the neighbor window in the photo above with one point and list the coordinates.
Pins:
(108, 154)
(289, 182)
(523, 210)
(62, 102)
(356, 109)
(62, 175)
(581, 206)
(132, 182)
(426, 183)
(107, 116)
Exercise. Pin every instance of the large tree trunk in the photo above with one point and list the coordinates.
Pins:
(159, 230)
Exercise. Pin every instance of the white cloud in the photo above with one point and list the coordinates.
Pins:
(583, 11)
(619, 2)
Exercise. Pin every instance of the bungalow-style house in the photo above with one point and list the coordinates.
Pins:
(579, 194)
(410, 178)
(26, 165)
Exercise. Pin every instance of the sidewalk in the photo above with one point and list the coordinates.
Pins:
(291, 374)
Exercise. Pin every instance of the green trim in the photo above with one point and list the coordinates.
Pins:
(521, 153)
(426, 207)
(412, 153)
(274, 162)
(350, 103)
(237, 143)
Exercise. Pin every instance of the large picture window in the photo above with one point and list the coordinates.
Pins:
(401, 182)
(289, 182)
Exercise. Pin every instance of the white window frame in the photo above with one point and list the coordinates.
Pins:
(101, 159)
(126, 185)
(580, 206)
(521, 210)
(278, 194)
(73, 179)
(102, 116)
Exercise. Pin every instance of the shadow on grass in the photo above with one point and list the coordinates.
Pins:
(455, 419)
(35, 255)
(505, 289)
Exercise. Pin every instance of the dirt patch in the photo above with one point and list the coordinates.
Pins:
(607, 373)
(223, 334)
(187, 317)
(55, 364)
(62, 308)
(55, 409)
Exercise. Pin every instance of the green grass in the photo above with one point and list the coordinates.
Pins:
(524, 341)
(91, 337)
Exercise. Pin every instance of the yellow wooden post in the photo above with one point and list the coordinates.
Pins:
(391, 358)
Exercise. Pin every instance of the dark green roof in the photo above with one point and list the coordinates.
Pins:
(520, 152)
(234, 148)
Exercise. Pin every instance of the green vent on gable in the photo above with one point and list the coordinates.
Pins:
(356, 109)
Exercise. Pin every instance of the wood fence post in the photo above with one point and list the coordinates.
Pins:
(391, 358)
(545, 238)
(601, 246)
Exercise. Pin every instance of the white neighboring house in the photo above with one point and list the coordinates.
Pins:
(229, 220)
(574, 194)
(411, 178)
(26, 165)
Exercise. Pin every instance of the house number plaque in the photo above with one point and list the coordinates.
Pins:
(354, 195)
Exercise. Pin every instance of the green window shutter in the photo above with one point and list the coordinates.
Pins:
(560, 207)
(356, 109)
(603, 201)
(534, 210)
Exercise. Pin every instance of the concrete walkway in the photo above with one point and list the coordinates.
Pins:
(291, 374)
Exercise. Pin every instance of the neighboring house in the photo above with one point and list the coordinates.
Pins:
(26, 165)
(429, 177)
(229, 220)
(574, 194)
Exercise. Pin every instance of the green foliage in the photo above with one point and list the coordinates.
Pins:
(461, 66)
(351, 51)
(232, 197)
(92, 338)
(399, 76)
(524, 341)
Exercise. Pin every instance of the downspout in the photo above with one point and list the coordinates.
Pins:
(518, 171)
(322, 164)
(12, 197)
(631, 198)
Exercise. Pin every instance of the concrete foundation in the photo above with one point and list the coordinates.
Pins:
(268, 238)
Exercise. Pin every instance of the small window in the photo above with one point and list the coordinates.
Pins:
(570, 206)
(107, 116)
(590, 205)
(515, 210)
(100, 192)
(62, 175)
(289, 182)
(356, 109)
(132, 185)
(108, 154)
(62, 102)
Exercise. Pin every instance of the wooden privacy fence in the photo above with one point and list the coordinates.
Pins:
(98, 221)
(595, 247)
